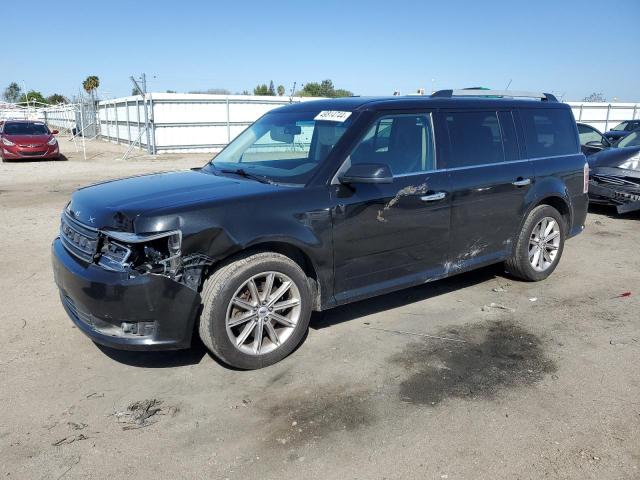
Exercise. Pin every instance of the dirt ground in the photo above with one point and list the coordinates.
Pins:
(547, 387)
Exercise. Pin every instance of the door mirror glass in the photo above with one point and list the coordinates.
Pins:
(367, 173)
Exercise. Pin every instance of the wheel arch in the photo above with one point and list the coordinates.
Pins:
(289, 250)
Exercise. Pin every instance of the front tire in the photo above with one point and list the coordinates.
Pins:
(256, 310)
(539, 246)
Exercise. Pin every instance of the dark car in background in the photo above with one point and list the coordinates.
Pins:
(591, 139)
(319, 204)
(615, 175)
(622, 130)
(27, 140)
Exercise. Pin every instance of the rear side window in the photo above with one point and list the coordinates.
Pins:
(549, 132)
(475, 138)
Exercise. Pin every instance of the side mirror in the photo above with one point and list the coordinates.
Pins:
(595, 144)
(54, 132)
(367, 173)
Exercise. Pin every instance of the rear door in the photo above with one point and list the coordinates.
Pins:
(392, 235)
(489, 182)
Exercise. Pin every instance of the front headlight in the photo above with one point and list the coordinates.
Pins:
(146, 253)
(52, 142)
(7, 142)
(632, 163)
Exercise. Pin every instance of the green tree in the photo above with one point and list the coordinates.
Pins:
(90, 84)
(323, 89)
(33, 96)
(171, 91)
(56, 99)
(12, 92)
(280, 90)
(261, 90)
(341, 92)
(135, 91)
(272, 88)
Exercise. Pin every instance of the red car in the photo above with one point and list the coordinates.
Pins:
(27, 139)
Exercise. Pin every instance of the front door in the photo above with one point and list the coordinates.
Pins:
(387, 236)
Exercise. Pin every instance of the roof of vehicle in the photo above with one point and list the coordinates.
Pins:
(402, 102)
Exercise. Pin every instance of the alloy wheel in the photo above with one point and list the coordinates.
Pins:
(544, 244)
(263, 313)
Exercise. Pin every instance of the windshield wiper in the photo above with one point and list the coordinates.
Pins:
(243, 173)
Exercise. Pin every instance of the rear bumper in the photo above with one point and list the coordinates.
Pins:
(98, 301)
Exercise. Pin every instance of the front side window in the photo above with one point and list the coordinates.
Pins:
(475, 138)
(621, 127)
(403, 142)
(588, 134)
(26, 129)
(284, 147)
(548, 132)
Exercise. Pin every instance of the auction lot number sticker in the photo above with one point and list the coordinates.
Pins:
(332, 116)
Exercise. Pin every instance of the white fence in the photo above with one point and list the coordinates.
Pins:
(604, 116)
(183, 122)
(62, 117)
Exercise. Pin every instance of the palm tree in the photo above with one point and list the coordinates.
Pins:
(90, 84)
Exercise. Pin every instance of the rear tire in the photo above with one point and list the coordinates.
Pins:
(539, 245)
(246, 322)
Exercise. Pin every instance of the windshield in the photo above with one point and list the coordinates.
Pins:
(621, 126)
(25, 129)
(284, 147)
(631, 140)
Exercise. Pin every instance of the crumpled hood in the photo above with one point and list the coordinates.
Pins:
(612, 157)
(116, 204)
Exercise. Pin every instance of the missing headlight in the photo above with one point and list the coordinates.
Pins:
(153, 253)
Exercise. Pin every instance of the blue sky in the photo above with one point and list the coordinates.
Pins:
(369, 47)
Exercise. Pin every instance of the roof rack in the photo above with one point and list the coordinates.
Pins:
(545, 97)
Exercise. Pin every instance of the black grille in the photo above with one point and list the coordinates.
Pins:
(78, 239)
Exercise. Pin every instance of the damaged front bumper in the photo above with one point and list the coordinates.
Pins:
(125, 310)
(615, 186)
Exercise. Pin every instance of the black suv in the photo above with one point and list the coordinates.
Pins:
(318, 204)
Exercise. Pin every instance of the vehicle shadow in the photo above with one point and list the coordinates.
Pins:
(61, 158)
(345, 313)
(611, 212)
(160, 359)
(319, 320)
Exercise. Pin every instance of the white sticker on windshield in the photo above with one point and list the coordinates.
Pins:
(332, 116)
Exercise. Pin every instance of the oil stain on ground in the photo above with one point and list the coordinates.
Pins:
(312, 415)
(494, 356)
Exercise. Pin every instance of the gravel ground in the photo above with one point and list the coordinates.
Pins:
(547, 387)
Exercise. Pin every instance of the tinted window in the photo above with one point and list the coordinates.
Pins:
(403, 142)
(620, 126)
(588, 134)
(509, 139)
(548, 132)
(475, 138)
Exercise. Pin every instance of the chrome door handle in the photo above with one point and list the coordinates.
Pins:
(522, 183)
(434, 197)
